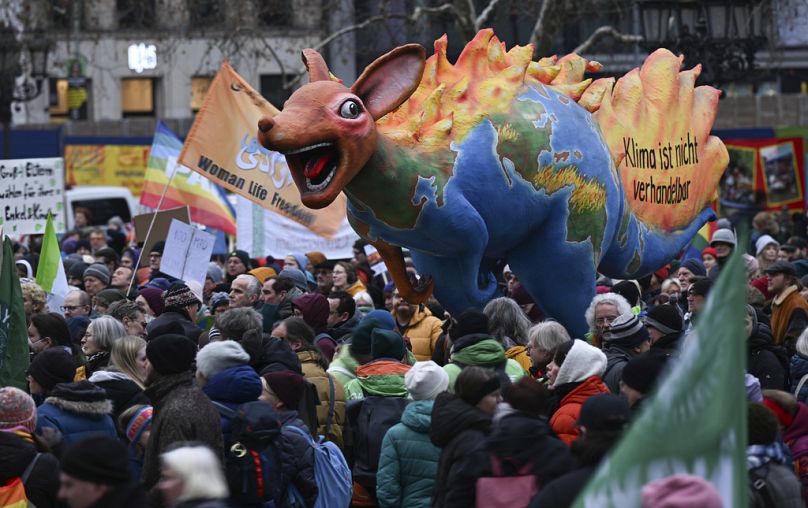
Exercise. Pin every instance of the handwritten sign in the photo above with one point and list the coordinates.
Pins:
(29, 189)
(187, 252)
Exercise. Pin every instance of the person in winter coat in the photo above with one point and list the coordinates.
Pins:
(543, 338)
(793, 419)
(181, 307)
(417, 323)
(299, 335)
(764, 360)
(191, 477)
(95, 475)
(772, 481)
(408, 463)
(459, 422)
(602, 421)
(76, 410)
(665, 327)
(181, 411)
(284, 390)
(384, 374)
(225, 376)
(135, 425)
(342, 317)
(798, 369)
(314, 309)
(357, 351)
(575, 375)
(50, 331)
(509, 325)
(49, 368)
(519, 438)
(123, 378)
(21, 449)
(625, 339)
(480, 350)
(97, 344)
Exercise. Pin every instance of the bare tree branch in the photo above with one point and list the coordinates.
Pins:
(605, 31)
(485, 15)
(542, 32)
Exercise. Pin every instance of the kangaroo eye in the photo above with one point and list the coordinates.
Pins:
(349, 110)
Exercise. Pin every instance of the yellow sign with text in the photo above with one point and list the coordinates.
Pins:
(107, 165)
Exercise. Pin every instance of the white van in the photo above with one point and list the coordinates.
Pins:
(103, 203)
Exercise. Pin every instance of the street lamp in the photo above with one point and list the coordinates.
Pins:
(722, 35)
(33, 48)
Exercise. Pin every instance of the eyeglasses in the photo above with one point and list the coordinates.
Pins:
(71, 308)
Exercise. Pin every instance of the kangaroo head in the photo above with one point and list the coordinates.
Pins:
(327, 131)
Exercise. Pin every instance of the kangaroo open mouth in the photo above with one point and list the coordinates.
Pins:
(319, 164)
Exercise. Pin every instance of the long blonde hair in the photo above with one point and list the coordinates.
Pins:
(124, 357)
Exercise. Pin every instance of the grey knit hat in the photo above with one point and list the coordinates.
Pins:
(219, 356)
(627, 331)
(99, 271)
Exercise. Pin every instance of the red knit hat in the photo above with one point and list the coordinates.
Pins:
(709, 250)
(288, 386)
(17, 410)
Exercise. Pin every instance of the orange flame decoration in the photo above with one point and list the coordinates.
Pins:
(657, 125)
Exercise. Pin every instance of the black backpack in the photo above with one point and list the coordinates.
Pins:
(252, 459)
(368, 420)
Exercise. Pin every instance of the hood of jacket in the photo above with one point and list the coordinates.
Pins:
(81, 398)
(582, 362)
(479, 350)
(418, 415)
(315, 309)
(384, 378)
(100, 376)
(235, 385)
(277, 354)
(517, 434)
(798, 427)
(451, 416)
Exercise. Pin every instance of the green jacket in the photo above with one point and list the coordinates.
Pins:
(382, 378)
(487, 352)
(343, 366)
(408, 464)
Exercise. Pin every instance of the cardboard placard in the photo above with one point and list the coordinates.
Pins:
(187, 252)
(159, 231)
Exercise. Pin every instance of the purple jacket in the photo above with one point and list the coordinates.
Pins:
(796, 437)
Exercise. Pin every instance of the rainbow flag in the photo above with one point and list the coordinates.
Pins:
(205, 199)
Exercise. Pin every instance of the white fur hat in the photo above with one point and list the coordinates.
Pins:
(219, 356)
(425, 380)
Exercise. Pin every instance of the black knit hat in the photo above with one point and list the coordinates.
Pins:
(627, 331)
(666, 318)
(243, 256)
(387, 344)
(629, 290)
(180, 295)
(171, 354)
(763, 425)
(641, 372)
(97, 459)
(77, 270)
(360, 338)
(158, 247)
(701, 287)
(604, 411)
(527, 395)
(51, 367)
(468, 322)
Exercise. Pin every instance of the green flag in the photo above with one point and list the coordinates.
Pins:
(13, 329)
(50, 273)
(696, 421)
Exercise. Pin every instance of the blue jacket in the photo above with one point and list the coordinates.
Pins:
(233, 387)
(76, 410)
(408, 464)
(799, 368)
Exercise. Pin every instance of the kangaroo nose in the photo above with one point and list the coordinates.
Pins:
(265, 124)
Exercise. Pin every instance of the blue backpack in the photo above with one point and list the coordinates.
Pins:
(331, 472)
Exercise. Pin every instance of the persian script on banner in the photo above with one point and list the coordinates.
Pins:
(222, 146)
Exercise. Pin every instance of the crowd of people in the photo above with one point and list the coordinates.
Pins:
(306, 381)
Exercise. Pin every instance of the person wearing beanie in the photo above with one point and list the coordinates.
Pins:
(626, 338)
(383, 375)
(75, 276)
(789, 315)
(213, 278)
(630, 290)
(237, 262)
(49, 368)
(408, 463)
(96, 277)
(602, 421)
(639, 377)
(696, 298)
(315, 310)
(315, 258)
(76, 410)
(772, 481)
(151, 299)
(766, 249)
(296, 260)
(575, 374)
(182, 412)
(223, 371)
(690, 267)
(262, 273)
(297, 277)
(681, 491)
(767, 362)
(95, 474)
(283, 390)
(21, 448)
(181, 307)
(665, 327)
(709, 258)
(105, 298)
(357, 349)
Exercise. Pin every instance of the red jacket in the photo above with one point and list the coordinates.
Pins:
(563, 421)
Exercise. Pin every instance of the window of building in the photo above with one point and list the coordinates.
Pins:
(137, 97)
(273, 91)
(199, 88)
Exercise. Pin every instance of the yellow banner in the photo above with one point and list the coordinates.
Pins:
(112, 165)
(222, 146)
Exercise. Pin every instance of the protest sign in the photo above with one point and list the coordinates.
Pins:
(262, 233)
(375, 260)
(222, 146)
(108, 165)
(29, 189)
(159, 231)
(187, 252)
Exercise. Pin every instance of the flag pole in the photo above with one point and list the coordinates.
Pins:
(149, 231)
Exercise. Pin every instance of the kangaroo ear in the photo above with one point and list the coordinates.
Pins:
(318, 70)
(390, 79)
